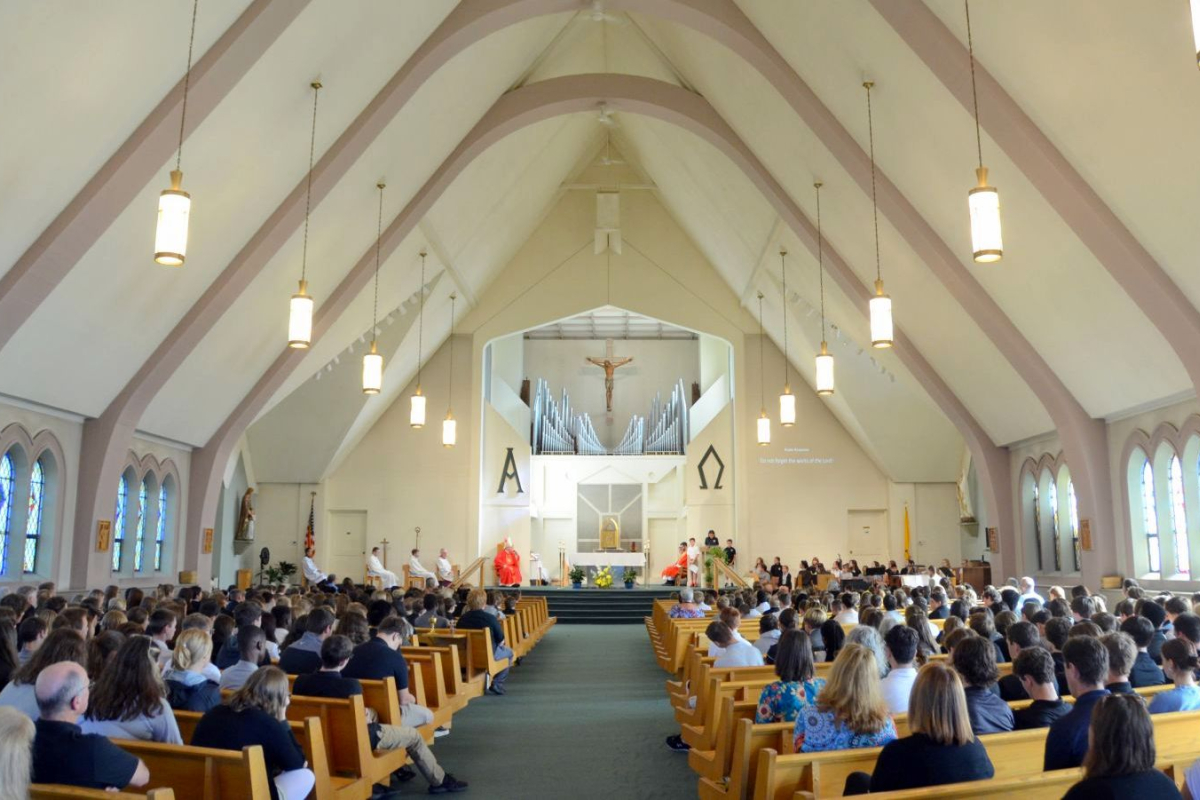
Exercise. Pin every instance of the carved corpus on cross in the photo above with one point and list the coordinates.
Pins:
(609, 364)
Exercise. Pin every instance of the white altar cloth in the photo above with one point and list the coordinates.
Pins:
(607, 559)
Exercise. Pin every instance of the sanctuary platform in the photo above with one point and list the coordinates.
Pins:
(592, 606)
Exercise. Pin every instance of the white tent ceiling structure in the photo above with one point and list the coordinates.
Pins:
(478, 118)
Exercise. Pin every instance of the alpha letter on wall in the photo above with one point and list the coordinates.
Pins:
(510, 471)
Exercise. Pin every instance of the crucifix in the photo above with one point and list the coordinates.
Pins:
(385, 544)
(609, 363)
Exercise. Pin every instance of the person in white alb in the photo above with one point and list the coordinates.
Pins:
(375, 567)
(693, 554)
(901, 646)
(445, 570)
(314, 576)
(539, 575)
(415, 570)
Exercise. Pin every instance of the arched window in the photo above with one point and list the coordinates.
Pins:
(1037, 525)
(118, 532)
(33, 520)
(1052, 495)
(7, 487)
(1073, 508)
(1150, 517)
(161, 533)
(1178, 517)
(140, 532)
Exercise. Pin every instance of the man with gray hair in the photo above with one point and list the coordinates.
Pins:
(686, 608)
(62, 752)
(1029, 593)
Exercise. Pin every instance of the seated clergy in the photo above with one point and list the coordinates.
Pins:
(317, 578)
(415, 570)
(375, 568)
(445, 570)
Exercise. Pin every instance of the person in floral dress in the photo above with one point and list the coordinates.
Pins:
(797, 687)
(850, 711)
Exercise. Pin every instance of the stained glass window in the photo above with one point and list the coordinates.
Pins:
(33, 521)
(118, 531)
(161, 533)
(1074, 511)
(1150, 517)
(1037, 525)
(140, 533)
(1053, 498)
(7, 486)
(1178, 517)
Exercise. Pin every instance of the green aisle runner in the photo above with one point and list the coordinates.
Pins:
(585, 717)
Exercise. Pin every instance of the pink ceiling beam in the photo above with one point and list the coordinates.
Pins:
(107, 438)
(142, 156)
(1072, 197)
(513, 111)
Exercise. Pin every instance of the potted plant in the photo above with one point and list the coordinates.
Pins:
(280, 573)
(630, 577)
(576, 575)
(711, 555)
(604, 578)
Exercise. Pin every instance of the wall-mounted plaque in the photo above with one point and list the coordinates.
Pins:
(208, 540)
(993, 539)
(103, 535)
(1085, 534)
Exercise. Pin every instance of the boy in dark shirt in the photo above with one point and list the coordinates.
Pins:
(1035, 669)
(730, 552)
(1144, 671)
(381, 658)
(328, 681)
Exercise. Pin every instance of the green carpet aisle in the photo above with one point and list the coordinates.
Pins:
(585, 717)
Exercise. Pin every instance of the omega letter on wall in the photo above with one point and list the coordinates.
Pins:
(711, 451)
(510, 471)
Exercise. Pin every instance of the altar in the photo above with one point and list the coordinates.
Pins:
(622, 559)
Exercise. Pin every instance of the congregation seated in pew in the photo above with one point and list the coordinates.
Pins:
(1086, 662)
(975, 661)
(797, 687)
(252, 647)
(1034, 668)
(381, 658)
(849, 712)
(1179, 665)
(60, 646)
(188, 687)
(129, 699)
(1121, 755)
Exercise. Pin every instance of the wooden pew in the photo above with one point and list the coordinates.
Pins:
(458, 641)
(57, 791)
(349, 744)
(748, 741)
(203, 773)
(311, 738)
(458, 693)
(481, 658)
(1043, 786)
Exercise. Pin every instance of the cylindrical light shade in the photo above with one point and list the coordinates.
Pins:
(987, 244)
(171, 235)
(372, 371)
(881, 318)
(764, 428)
(1196, 28)
(824, 372)
(787, 408)
(449, 431)
(300, 318)
(416, 413)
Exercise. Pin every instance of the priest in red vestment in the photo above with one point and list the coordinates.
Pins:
(673, 572)
(508, 566)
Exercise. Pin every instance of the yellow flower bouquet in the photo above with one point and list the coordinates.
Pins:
(604, 578)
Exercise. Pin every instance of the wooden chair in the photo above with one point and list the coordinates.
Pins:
(55, 791)
(411, 582)
(375, 581)
(202, 773)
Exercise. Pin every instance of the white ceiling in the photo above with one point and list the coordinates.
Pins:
(1112, 84)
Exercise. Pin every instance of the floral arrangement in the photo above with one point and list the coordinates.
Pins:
(604, 578)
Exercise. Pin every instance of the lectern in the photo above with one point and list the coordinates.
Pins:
(977, 573)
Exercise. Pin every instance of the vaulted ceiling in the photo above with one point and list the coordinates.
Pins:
(1107, 88)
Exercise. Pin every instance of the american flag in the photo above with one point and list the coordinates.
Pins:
(309, 539)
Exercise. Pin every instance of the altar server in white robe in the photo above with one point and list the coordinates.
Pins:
(693, 554)
(445, 570)
(540, 575)
(375, 568)
(415, 570)
(315, 576)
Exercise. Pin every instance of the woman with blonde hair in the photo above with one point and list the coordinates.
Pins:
(257, 715)
(475, 618)
(16, 754)
(941, 747)
(850, 711)
(188, 688)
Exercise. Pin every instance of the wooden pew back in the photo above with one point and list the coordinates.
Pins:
(203, 773)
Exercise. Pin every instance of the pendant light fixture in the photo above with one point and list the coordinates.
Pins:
(1196, 28)
(764, 422)
(174, 204)
(416, 412)
(880, 305)
(987, 244)
(372, 372)
(787, 400)
(824, 359)
(449, 424)
(300, 313)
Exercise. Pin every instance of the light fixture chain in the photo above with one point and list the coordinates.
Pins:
(874, 201)
(783, 270)
(312, 144)
(378, 237)
(421, 320)
(974, 91)
(762, 380)
(187, 80)
(820, 262)
(450, 388)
